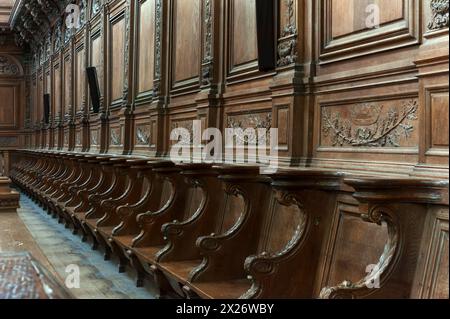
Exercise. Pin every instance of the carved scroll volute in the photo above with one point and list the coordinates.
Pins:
(212, 242)
(381, 272)
(175, 229)
(259, 267)
(210, 245)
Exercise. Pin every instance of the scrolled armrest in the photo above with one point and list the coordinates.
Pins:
(124, 211)
(259, 265)
(108, 204)
(173, 229)
(145, 219)
(209, 243)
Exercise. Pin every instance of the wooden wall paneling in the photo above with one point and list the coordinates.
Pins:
(158, 113)
(118, 34)
(57, 99)
(96, 59)
(81, 90)
(432, 274)
(432, 62)
(47, 90)
(345, 34)
(142, 140)
(186, 39)
(209, 101)
(352, 246)
(68, 89)
(380, 123)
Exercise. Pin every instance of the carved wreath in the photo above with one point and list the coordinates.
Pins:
(385, 130)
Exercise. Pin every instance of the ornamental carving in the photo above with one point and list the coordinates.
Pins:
(186, 136)
(158, 46)
(8, 67)
(116, 136)
(96, 5)
(439, 19)
(287, 46)
(207, 64)
(369, 125)
(252, 122)
(143, 135)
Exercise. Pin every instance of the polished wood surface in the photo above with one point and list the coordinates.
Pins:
(227, 231)
(360, 198)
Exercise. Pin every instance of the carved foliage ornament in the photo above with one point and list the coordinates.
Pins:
(439, 17)
(116, 137)
(8, 67)
(207, 65)
(287, 47)
(250, 121)
(369, 126)
(96, 5)
(158, 45)
(142, 135)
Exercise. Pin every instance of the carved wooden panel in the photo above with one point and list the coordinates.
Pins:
(353, 246)
(80, 78)
(96, 57)
(243, 50)
(283, 225)
(282, 121)
(9, 106)
(257, 119)
(94, 138)
(434, 278)
(350, 16)
(116, 137)
(57, 90)
(145, 45)
(186, 32)
(143, 135)
(234, 206)
(437, 114)
(67, 85)
(381, 124)
(117, 46)
(348, 29)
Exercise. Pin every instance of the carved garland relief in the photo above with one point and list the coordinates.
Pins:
(252, 121)
(370, 125)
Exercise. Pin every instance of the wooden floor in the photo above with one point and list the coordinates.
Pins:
(32, 230)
